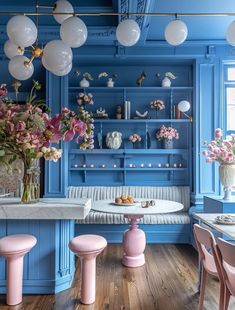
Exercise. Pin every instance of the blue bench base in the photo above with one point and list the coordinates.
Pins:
(172, 233)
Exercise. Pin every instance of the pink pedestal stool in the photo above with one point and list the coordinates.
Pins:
(87, 247)
(14, 248)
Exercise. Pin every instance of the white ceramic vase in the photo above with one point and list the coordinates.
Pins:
(84, 83)
(114, 140)
(227, 179)
(110, 83)
(166, 82)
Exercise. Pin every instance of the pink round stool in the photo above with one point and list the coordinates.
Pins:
(87, 247)
(14, 249)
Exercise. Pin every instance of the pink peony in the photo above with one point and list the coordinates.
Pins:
(20, 126)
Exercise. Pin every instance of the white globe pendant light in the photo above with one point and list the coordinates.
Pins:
(11, 50)
(19, 70)
(128, 32)
(22, 31)
(73, 32)
(57, 55)
(230, 34)
(184, 106)
(62, 6)
(63, 72)
(176, 32)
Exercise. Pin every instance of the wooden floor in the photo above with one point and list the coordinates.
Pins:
(167, 281)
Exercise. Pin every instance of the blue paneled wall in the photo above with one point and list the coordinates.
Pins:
(198, 66)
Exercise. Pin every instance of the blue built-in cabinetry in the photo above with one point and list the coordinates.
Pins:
(148, 163)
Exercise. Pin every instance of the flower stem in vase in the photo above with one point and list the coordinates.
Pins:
(157, 114)
(31, 183)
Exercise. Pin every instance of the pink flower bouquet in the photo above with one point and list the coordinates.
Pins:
(222, 151)
(26, 132)
(157, 105)
(135, 138)
(167, 133)
(84, 99)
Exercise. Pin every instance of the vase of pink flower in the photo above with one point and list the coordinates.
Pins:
(135, 140)
(167, 135)
(157, 105)
(27, 131)
(85, 99)
(223, 151)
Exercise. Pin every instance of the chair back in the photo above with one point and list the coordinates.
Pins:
(226, 256)
(206, 246)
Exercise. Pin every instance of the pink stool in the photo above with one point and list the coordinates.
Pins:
(14, 249)
(87, 247)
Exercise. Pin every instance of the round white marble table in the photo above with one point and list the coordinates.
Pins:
(134, 240)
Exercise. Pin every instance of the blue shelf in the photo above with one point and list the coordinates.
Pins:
(129, 151)
(128, 169)
(127, 121)
(129, 88)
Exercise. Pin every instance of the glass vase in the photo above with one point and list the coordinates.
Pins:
(31, 182)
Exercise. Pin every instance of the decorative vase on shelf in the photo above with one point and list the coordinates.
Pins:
(31, 182)
(110, 82)
(167, 143)
(136, 145)
(84, 83)
(227, 179)
(114, 140)
(166, 82)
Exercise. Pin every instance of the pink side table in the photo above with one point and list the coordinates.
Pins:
(14, 248)
(134, 240)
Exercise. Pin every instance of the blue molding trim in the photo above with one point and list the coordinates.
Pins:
(56, 180)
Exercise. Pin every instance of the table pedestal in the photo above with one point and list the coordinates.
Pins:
(134, 242)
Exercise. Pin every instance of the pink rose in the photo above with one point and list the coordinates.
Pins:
(218, 133)
(20, 126)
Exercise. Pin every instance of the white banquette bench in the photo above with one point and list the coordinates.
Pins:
(162, 228)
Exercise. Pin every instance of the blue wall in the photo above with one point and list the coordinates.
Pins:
(206, 63)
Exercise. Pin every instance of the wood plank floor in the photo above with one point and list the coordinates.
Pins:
(167, 281)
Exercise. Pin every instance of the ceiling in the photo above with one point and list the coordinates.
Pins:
(152, 28)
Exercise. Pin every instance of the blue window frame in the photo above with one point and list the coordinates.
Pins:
(229, 96)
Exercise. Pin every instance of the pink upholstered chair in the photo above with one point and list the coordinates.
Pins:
(14, 248)
(87, 247)
(226, 256)
(206, 246)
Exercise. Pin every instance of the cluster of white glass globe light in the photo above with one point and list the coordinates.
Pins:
(57, 55)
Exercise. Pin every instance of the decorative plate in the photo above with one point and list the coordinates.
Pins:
(225, 220)
(124, 204)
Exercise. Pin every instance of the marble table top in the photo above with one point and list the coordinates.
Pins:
(45, 209)
(209, 219)
(161, 206)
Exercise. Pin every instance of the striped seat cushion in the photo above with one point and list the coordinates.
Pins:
(175, 193)
(111, 218)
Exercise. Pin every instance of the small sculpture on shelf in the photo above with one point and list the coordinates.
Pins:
(141, 115)
(100, 113)
(110, 82)
(118, 112)
(168, 76)
(114, 140)
(86, 78)
(141, 78)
